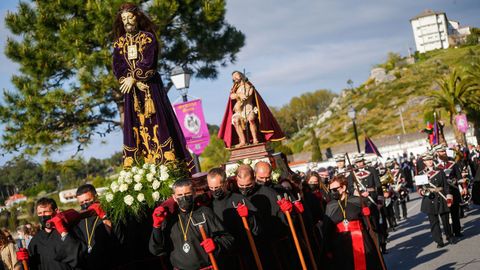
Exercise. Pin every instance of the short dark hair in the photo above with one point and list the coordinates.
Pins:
(218, 171)
(341, 179)
(47, 201)
(86, 188)
(182, 182)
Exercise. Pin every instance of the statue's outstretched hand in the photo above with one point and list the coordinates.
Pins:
(127, 84)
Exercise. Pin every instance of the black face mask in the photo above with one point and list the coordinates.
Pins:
(314, 187)
(43, 220)
(86, 205)
(185, 203)
(218, 194)
(247, 191)
(264, 183)
(335, 195)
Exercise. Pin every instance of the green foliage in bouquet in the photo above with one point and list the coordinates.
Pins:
(140, 188)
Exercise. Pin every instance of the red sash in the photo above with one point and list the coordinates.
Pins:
(355, 229)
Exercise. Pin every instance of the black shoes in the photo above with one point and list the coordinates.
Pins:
(440, 245)
(458, 235)
(451, 241)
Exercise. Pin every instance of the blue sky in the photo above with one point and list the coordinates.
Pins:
(293, 47)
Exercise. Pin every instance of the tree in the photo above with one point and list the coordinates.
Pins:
(300, 110)
(473, 109)
(316, 151)
(455, 90)
(66, 92)
(214, 154)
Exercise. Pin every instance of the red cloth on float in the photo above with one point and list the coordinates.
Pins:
(267, 125)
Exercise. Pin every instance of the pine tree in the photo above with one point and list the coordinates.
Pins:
(66, 92)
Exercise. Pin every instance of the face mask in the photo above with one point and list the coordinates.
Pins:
(335, 195)
(313, 186)
(185, 203)
(264, 183)
(324, 179)
(86, 205)
(218, 194)
(43, 221)
(247, 191)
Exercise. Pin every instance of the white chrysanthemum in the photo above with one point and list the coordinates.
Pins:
(163, 168)
(141, 172)
(150, 177)
(137, 178)
(146, 166)
(114, 186)
(128, 200)
(140, 197)
(247, 161)
(123, 187)
(156, 196)
(121, 178)
(128, 175)
(138, 186)
(153, 170)
(164, 176)
(122, 173)
(128, 178)
(109, 197)
(134, 169)
(156, 184)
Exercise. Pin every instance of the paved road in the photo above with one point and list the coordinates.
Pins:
(412, 247)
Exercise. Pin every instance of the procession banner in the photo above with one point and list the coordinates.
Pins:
(194, 128)
(462, 123)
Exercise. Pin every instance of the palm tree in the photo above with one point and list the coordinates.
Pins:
(455, 90)
(473, 110)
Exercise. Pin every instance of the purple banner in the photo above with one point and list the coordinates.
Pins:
(462, 123)
(194, 128)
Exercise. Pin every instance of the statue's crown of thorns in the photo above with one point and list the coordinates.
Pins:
(131, 9)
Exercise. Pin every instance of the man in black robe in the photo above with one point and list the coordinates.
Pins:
(230, 207)
(348, 243)
(178, 235)
(369, 186)
(436, 200)
(53, 249)
(95, 231)
(274, 245)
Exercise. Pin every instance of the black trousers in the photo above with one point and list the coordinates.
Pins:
(435, 226)
(455, 213)
(403, 204)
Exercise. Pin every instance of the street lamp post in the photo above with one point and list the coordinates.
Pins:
(352, 114)
(458, 108)
(180, 78)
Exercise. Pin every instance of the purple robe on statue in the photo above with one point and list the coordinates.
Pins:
(151, 130)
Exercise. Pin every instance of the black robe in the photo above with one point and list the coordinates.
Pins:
(169, 238)
(48, 251)
(101, 255)
(233, 223)
(274, 245)
(339, 244)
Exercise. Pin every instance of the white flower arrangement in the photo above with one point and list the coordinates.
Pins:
(139, 188)
(128, 200)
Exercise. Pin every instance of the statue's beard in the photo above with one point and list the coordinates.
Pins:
(130, 28)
